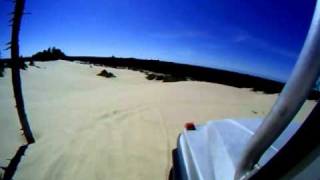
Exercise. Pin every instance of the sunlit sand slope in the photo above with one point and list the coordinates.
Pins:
(90, 127)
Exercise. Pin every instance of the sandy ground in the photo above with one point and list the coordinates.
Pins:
(90, 127)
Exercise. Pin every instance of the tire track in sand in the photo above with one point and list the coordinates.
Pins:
(167, 139)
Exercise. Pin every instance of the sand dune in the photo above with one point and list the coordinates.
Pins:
(90, 127)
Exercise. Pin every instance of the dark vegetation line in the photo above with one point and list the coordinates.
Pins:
(198, 73)
(176, 71)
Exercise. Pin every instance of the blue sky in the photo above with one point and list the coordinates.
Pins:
(260, 37)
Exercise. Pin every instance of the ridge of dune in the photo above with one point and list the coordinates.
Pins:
(90, 127)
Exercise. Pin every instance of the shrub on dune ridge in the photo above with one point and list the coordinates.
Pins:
(165, 78)
(151, 77)
(105, 73)
(159, 77)
(31, 63)
(170, 78)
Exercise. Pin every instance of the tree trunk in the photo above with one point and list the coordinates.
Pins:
(16, 81)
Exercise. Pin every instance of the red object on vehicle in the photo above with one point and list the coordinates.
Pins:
(190, 126)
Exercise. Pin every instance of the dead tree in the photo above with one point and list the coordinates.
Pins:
(16, 64)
